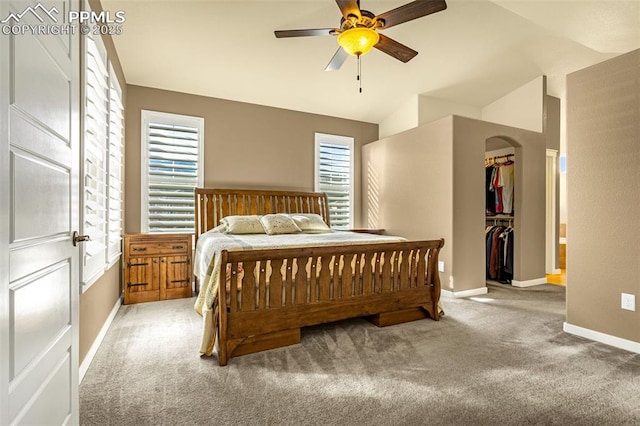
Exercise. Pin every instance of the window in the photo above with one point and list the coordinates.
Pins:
(95, 159)
(171, 169)
(101, 187)
(334, 176)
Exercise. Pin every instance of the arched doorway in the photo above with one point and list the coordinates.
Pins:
(500, 208)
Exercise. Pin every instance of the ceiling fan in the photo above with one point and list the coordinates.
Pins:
(358, 31)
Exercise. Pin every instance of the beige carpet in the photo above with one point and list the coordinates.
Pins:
(499, 359)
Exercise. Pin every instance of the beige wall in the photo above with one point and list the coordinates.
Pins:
(97, 302)
(603, 177)
(522, 108)
(246, 145)
(428, 182)
(95, 306)
(551, 122)
(407, 186)
(432, 109)
(469, 143)
(404, 116)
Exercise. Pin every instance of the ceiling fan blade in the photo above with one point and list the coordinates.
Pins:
(338, 59)
(349, 7)
(304, 33)
(395, 49)
(410, 11)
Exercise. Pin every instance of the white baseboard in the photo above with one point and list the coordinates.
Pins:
(465, 293)
(99, 338)
(627, 345)
(529, 283)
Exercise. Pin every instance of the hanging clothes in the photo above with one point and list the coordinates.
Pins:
(499, 255)
(490, 206)
(507, 183)
(499, 199)
(505, 268)
(499, 186)
(492, 251)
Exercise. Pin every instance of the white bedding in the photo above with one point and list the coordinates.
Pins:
(207, 262)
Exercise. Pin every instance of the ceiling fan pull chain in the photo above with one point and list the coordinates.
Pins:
(360, 73)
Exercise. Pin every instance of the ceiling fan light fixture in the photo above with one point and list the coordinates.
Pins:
(358, 41)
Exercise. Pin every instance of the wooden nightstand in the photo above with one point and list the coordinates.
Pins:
(368, 231)
(156, 267)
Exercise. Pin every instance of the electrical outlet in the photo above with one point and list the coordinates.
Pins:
(440, 265)
(628, 302)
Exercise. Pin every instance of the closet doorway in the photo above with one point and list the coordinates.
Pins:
(552, 214)
(500, 211)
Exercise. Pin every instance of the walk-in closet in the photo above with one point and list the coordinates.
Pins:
(499, 194)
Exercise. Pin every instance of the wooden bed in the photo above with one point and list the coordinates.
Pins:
(268, 295)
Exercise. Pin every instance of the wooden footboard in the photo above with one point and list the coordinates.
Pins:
(281, 290)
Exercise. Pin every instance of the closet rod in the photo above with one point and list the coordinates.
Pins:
(499, 156)
(500, 220)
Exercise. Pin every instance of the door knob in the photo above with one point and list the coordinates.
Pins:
(77, 238)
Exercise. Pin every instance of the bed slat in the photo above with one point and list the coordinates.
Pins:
(275, 284)
(347, 277)
(325, 279)
(262, 285)
(404, 271)
(301, 280)
(288, 284)
(248, 293)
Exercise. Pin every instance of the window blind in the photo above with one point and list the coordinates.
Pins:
(334, 176)
(173, 152)
(96, 122)
(114, 199)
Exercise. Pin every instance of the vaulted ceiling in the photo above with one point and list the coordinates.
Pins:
(472, 53)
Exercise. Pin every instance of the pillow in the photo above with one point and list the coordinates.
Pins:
(279, 224)
(249, 224)
(220, 229)
(310, 223)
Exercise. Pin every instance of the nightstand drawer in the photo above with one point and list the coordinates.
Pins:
(159, 248)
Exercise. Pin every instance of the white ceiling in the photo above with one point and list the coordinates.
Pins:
(472, 53)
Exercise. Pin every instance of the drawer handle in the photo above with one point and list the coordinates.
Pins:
(139, 249)
(129, 264)
(178, 262)
(129, 285)
(180, 281)
(178, 247)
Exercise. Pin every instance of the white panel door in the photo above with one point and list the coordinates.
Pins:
(39, 209)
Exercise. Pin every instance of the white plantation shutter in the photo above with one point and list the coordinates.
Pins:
(172, 162)
(114, 199)
(101, 165)
(334, 176)
(94, 165)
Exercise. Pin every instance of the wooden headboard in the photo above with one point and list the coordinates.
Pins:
(214, 204)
